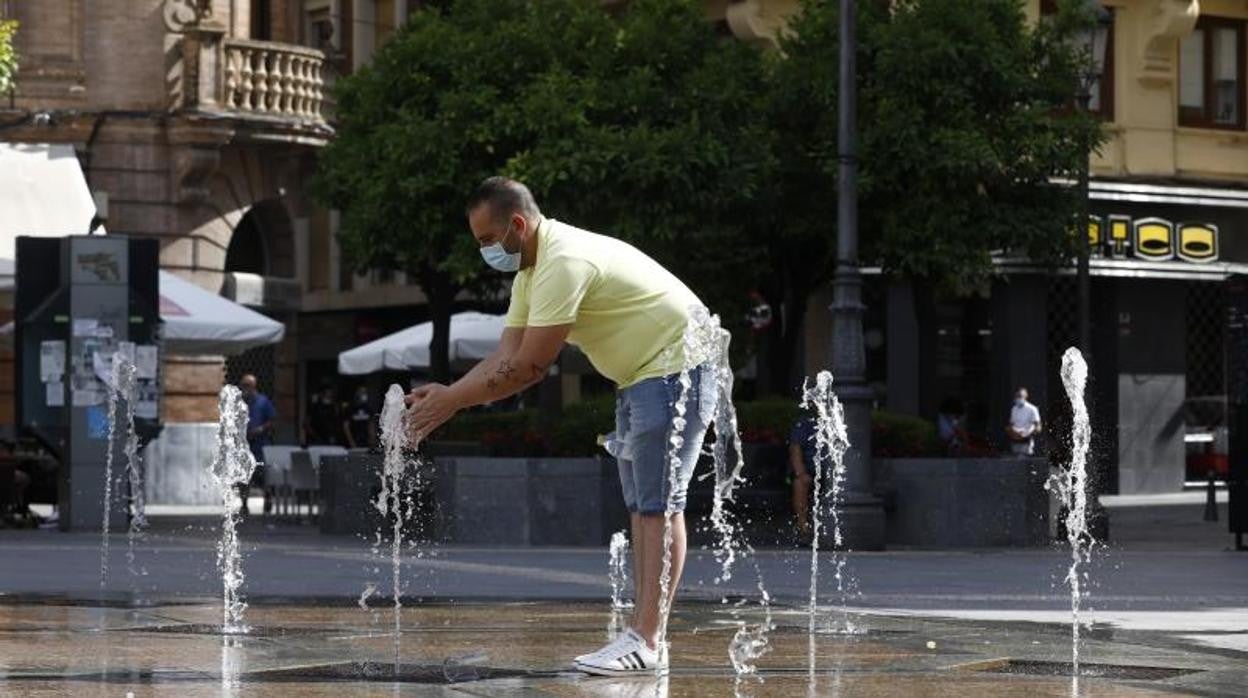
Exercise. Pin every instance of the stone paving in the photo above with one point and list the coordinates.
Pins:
(523, 649)
(1169, 614)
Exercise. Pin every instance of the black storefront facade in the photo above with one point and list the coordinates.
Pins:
(1167, 261)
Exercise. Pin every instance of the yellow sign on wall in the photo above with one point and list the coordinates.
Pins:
(1154, 239)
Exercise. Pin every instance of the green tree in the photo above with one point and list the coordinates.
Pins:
(436, 112)
(664, 144)
(964, 119)
(642, 124)
(8, 55)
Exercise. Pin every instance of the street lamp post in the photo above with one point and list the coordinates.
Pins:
(1094, 40)
(862, 514)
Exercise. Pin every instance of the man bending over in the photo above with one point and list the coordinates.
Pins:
(628, 315)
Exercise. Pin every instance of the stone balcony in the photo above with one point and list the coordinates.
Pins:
(275, 89)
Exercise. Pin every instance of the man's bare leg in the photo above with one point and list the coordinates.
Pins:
(650, 552)
(638, 546)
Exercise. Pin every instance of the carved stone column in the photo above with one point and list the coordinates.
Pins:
(201, 66)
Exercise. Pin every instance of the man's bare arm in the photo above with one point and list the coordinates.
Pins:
(508, 344)
(510, 370)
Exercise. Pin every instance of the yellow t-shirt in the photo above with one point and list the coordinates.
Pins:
(628, 313)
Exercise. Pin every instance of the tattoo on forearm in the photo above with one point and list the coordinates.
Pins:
(507, 373)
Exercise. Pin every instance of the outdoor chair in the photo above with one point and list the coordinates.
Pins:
(302, 481)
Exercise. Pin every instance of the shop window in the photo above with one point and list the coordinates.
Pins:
(1211, 75)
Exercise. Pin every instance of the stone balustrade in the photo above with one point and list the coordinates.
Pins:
(272, 79)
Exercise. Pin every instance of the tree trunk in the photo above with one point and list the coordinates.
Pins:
(441, 294)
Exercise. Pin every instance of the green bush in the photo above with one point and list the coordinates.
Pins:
(767, 421)
(505, 434)
(575, 433)
(903, 436)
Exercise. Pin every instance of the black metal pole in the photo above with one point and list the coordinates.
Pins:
(1082, 271)
(862, 515)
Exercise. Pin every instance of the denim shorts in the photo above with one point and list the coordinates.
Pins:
(643, 424)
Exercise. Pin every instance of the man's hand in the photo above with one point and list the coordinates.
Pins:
(804, 477)
(429, 407)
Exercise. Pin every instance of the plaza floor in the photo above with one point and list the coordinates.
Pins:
(523, 649)
(1168, 614)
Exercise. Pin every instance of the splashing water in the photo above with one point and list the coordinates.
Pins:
(108, 477)
(617, 572)
(676, 442)
(1071, 487)
(706, 344)
(390, 501)
(831, 443)
(121, 392)
(231, 468)
(369, 590)
(125, 376)
(231, 666)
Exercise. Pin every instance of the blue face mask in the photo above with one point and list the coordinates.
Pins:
(498, 257)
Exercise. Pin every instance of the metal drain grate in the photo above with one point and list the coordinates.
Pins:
(1124, 672)
(206, 629)
(388, 673)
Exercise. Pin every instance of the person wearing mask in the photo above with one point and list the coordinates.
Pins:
(629, 315)
(1024, 425)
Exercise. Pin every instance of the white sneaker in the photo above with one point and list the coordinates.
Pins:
(627, 656)
(609, 647)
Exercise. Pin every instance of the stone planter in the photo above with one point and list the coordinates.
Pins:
(177, 465)
(965, 502)
(529, 501)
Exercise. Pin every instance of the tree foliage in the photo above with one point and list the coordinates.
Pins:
(639, 124)
(8, 55)
(716, 158)
(964, 120)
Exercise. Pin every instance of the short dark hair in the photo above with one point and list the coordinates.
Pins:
(504, 196)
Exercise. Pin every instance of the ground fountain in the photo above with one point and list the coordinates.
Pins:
(125, 375)
(120, 385)
(1072, 489)
(706, 344)
(231, 468)
(394, 501)
(831, 443)
(618, 574)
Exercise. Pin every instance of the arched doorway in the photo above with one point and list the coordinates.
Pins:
(263, 244)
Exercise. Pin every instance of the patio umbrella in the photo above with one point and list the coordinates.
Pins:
(473, 337)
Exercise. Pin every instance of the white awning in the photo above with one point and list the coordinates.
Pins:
(43, 193)
(200, 322)
(473, 337)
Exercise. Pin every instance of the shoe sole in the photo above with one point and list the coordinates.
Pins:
(604, 671)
